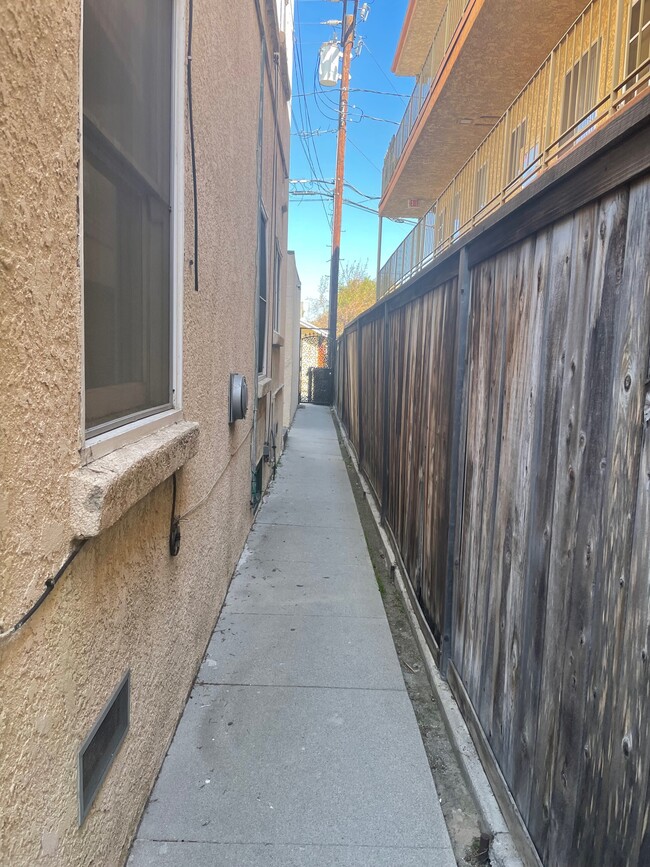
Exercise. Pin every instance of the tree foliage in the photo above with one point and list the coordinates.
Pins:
(357, 292)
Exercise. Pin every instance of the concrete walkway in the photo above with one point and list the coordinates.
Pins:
(299, 746)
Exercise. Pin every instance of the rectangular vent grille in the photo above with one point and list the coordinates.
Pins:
(101, 746)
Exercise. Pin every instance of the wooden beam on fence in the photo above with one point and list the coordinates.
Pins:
(385, 420)
(360, 449)
(457, 457)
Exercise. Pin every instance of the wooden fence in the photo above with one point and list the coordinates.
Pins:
(500, 407)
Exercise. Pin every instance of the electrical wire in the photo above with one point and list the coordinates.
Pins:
(205, 499)
(359, 205)
(364, 116)
(174, 524)
(50, 584)
(303, 109)
(393, 88)
(364, 155)
(361, 90)
(192, 145)
(301, 70)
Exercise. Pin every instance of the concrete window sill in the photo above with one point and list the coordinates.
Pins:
(278, 339)
(104, 490)
(263, 385)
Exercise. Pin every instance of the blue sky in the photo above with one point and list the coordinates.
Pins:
(309, 229)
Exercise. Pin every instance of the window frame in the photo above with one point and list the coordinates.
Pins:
(575, 90)
(277, 286)
(133, 427)
(632, 36)
(262, 352)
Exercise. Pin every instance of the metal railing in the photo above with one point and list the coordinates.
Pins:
(599, 65)
(445, 31)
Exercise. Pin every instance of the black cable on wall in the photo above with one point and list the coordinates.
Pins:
(50, 584)
(192, 146)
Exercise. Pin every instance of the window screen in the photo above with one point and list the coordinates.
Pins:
(277, 270)
(262, 296)
(127, 93)
(581, 94)
(638, 52)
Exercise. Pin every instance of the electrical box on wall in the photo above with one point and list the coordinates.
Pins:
(237, 398)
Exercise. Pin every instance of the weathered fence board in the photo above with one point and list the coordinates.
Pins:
(422, 337)
(372, 402)
(609, 747)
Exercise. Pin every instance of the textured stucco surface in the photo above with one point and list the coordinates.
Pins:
(420, 24)
(291, 339)
(103, 491)
(125, 604)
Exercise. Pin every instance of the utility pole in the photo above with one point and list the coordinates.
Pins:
(349, 22)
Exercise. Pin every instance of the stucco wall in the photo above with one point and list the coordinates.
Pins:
(291, 339)
(124, 604)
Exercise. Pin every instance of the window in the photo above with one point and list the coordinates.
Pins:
(441, 218)
(127, 209)
(480, 189)
(517, 150)
(277, 282)
(638, 50)
(455, 219)
(580, 95)
(530, 165)
(261, 294)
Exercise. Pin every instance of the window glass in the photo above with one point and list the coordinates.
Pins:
(127, 92)
(276, 287)
(261, 297)
(581, 95)
(638, 51)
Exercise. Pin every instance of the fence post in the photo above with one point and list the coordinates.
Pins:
(457, 457)
(360, 448)
(385, 418)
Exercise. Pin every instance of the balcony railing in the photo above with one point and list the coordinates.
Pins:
(599, 65)
(441, 41)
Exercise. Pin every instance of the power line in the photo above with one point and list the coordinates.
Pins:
(314, 193)
(360, 90)
(367, 158)
(331, 181)
(374, 60)
(365, 116)
(303, 109)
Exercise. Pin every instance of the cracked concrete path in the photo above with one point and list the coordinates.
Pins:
(299, 746)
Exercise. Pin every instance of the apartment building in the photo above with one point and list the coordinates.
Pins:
(144, 185)
(503, 91)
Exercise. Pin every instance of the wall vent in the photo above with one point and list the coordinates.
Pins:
(102, 744)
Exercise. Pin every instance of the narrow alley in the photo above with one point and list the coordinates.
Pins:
(299, 744)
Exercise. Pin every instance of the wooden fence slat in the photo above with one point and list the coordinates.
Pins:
(611, 748)
(557, 288)
(480, 355)
(524, 310)
(578, 497)
(531, 625)
(489, 601)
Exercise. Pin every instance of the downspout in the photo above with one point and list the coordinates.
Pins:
(260, 140)
(274, 228)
